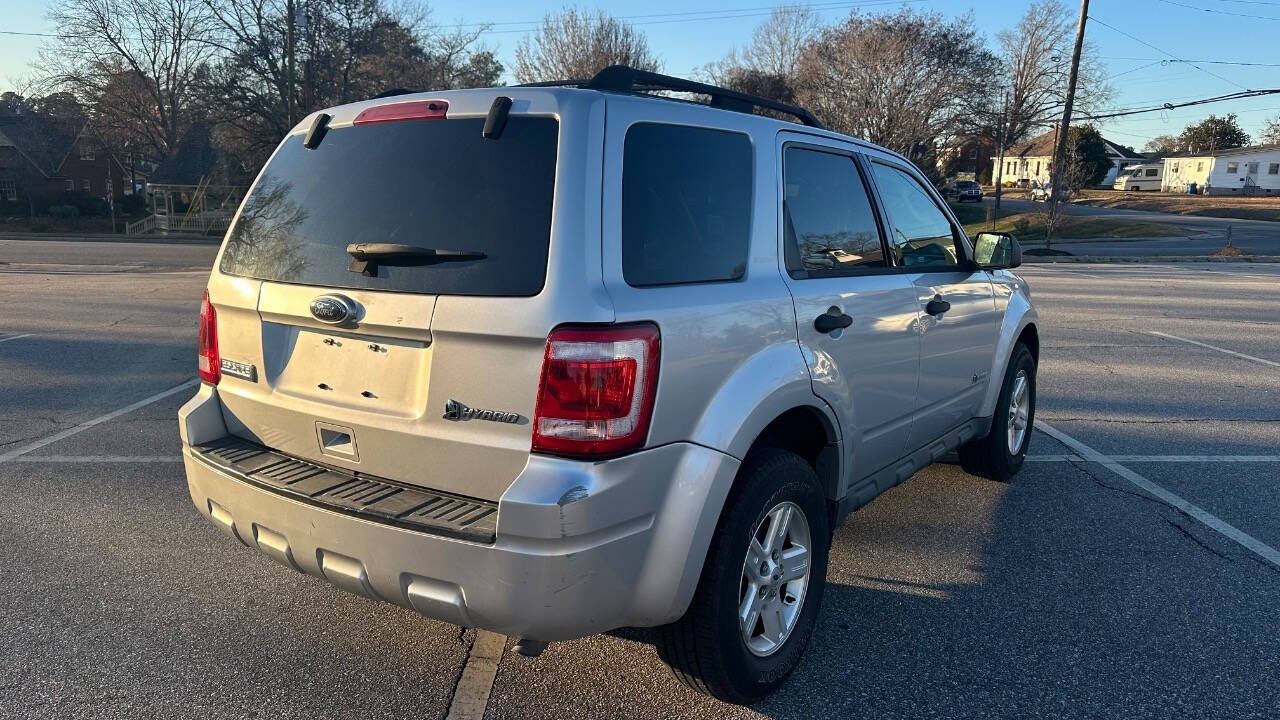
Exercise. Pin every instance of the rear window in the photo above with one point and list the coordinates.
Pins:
(686, 205)
(430, 183)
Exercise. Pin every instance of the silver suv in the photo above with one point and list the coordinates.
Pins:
(561, 359)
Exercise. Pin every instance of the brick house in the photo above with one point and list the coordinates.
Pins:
(43, 160)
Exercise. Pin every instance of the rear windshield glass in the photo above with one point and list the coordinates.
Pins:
(429, 183)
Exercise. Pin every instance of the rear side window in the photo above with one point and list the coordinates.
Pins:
(829, 227)
(429, 183)
(686, 205)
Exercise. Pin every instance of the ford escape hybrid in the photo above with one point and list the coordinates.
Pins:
(560, 359)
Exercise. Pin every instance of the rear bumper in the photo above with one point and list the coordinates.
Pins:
(579, 548)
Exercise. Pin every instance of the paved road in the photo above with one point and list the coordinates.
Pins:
(71, 256)
(1068, 593)
(1205, 235)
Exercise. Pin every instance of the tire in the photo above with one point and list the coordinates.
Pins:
(707, 649)
(993, 456)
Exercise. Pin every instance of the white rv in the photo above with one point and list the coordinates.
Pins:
(1147, 176)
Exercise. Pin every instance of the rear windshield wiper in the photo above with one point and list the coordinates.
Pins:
(366, 257)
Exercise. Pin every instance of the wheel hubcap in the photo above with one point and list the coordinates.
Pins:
(1019, 412)
(775, 576)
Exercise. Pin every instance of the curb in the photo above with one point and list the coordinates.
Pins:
(1034, 259)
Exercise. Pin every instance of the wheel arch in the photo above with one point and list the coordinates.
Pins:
(1020, 325)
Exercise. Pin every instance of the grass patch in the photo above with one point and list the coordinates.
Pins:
(1029, 226)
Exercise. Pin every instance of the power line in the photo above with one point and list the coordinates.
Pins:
(1172, 106)
(1205, 62)
(822, 6)
(647, 19)
(1219, 12)
(1165, 52)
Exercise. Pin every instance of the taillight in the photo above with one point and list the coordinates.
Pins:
(207, 343)
(597, 391)
(412, 110)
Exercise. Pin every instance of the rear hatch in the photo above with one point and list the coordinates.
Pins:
(399, 389)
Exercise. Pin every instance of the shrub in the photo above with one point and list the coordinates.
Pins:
(131, 206)
(64, 211)
(1021, 225)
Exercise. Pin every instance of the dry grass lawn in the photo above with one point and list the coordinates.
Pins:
(1029, 226)
(1266, 207)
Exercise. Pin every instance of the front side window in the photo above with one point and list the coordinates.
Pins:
(828, 225)
(686, 205)
(922, 236)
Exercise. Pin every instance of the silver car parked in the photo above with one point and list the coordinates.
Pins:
(561, 359)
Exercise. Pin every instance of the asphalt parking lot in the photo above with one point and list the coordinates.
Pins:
(1076, 591)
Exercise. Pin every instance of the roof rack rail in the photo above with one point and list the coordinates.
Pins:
(626, 79)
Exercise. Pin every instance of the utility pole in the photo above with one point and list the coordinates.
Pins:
(288, 48)
(1002, 132)
(1060, 147)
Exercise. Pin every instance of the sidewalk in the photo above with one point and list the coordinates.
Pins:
(171, 239)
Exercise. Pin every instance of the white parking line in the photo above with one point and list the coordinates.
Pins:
(472, 694)
(1266, 552)
(12, 454)
(1163, 458)
(1272, 363)
(15, 337)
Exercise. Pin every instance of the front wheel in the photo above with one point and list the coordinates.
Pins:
(1000, 454)
(761, 586)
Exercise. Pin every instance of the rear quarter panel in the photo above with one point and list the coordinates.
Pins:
(731, 362)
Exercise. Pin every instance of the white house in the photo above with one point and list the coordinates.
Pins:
(1030, 162)
(1239, 171)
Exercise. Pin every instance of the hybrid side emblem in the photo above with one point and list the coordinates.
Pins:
(456, 411)
(333, 309)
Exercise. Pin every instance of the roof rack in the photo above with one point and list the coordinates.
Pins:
(626, 79)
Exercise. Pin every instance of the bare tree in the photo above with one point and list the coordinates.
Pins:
(575, 44)
(268, 78)
(1074, 177)
(1271, 131)
(1162, 145)
(1035, 57)
(907, 81)
(134, 63)
(768, 65)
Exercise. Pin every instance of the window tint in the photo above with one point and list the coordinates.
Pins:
(829, 227)
(686, 204)
(431, 183)
(922, 237)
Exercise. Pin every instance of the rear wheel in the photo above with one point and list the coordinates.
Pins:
(761, 586)
(1000, 454)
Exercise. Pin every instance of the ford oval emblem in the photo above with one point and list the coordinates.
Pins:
(333, 309)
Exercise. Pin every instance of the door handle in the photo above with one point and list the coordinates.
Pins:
(937, 306)
(832, 320)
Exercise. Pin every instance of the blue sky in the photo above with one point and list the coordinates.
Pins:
(685, 38)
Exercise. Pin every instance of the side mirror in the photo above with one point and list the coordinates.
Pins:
(997, 251)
